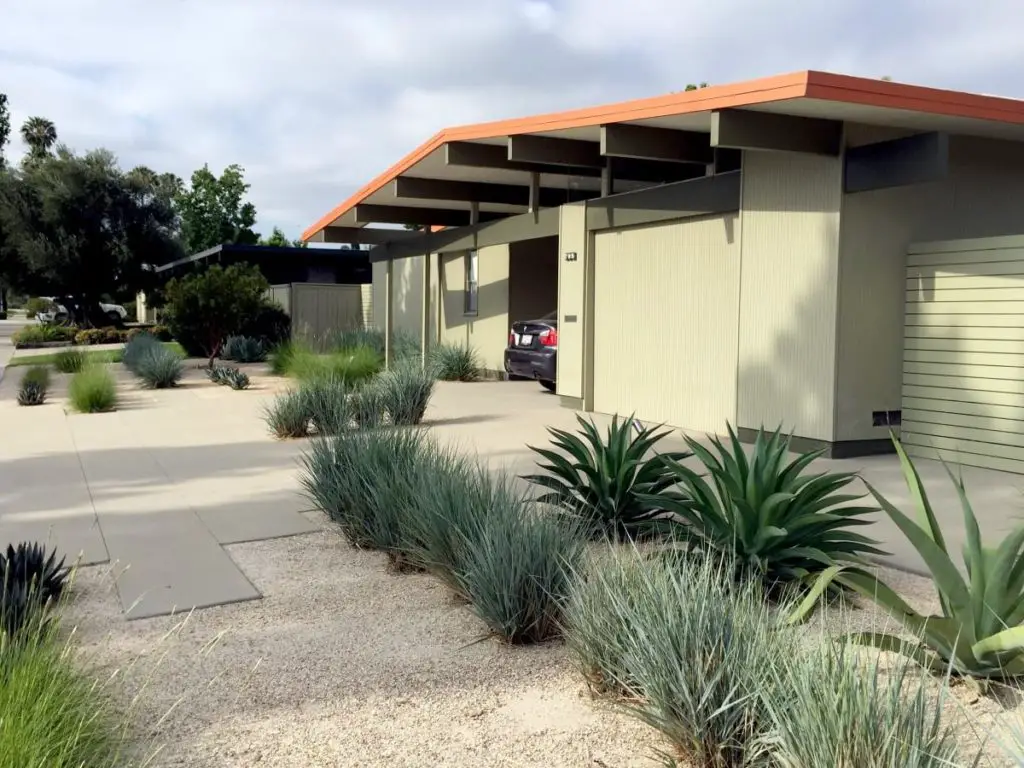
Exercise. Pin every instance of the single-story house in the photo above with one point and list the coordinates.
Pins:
(836, 255)
(322, 289)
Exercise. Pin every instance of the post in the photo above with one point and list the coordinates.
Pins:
(425, 313)
(389, 313)
(534, 192)
(607, 178)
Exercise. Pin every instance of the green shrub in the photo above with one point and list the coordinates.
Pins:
(404, 344)
(37, 374)
(833, 708)
(366, 404)
(288, 415)
(69, 361)
(138, 347)
(516, 571)
(281, 356)
(31, 393)
(158, 367)
(366, 482)
(405, 390)
(162, 333)
(352, 365)
(979, 632)
(605, 480)
(35, 305)
(326, 401)
(244, 349)
(90, 336)
(693, 653)
(455, 362)
(54, 713)
(776, 522)
(270, 324)
(93, 390)
(33, 335)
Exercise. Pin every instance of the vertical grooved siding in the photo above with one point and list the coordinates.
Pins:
(790, 262)
(665, 308)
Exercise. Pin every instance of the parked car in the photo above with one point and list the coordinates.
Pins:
(58, 313)
(532, 349)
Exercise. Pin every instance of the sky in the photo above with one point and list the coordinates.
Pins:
(316, 97)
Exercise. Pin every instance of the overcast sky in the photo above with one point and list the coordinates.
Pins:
(315, 97)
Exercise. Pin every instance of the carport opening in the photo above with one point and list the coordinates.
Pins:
(532, 279)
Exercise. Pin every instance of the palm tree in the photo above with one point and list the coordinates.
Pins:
(40, 134)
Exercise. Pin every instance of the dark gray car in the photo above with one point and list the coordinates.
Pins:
(532, 349)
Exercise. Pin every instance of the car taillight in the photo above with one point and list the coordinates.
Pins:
(549, 338)
(511, 338)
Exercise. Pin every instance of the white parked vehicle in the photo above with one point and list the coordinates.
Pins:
(58, 313)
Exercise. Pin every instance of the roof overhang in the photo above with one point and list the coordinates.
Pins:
(473, 174)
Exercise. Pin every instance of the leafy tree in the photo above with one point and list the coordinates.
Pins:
(40, 134)
(213, 211)
(5, 127)
(279, 239)
(77, 227)
(204, 308)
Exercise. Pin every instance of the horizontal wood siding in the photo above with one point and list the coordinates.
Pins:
(963, 362)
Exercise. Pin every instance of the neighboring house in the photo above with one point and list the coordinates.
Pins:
(322, 289)
(736, 254)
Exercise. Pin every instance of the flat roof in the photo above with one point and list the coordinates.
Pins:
(803, 94)
(241, 249)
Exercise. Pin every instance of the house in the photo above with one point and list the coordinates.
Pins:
(322, 289)
(832, 254)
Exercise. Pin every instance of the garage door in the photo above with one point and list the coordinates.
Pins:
(963, 369)
(666, 314)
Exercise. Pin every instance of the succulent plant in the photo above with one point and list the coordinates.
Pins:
(217, 374)
(28, 563)
(236, 379)
(244, 349)
(31, 393)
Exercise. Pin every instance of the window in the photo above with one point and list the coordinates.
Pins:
(472, 269)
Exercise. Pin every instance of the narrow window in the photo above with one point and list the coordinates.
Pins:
(472, 283)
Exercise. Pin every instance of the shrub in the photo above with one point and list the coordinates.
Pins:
(270, 324)
(366, 483)
(404, 344)
(93, 390)
(138, 347)
(37, 374)
(35, 305)
(69, 361)
(162, 333)
(405, 390)
(55, 714)
(352, 365)
(774, 521)
(281, 356)
(832, 708)
(206, 307)
(288, 415)
(30, 580)
(978, 633)
(158, 367)
(605, 481)
(455, 362)
(325, 399)
(35, 384)
(42, 334)
(516, 571)
(114, 335)
(90, 336)
(236, 379)
(244, 349)
(694, 653)
(367, 406)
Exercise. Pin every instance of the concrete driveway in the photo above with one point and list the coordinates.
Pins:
(157, 488)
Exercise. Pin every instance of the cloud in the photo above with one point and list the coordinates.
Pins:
(316, 97)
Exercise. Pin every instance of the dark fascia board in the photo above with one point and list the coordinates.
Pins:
(916, 159)
(696, 197)
(513, 229)
(233, 249)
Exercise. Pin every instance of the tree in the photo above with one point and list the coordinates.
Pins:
(77, 227)
(213, 212)
(40, 134)
(204, 308)
(278, 239)
(5, 128)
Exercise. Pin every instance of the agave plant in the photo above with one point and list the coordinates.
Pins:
(31, 393)
(244, 349)
(29, 563)
(218, 374)
(610, 481)
(236, 379)
(775, 520)
(978, 633)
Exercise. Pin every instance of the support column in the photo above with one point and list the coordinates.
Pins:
(607, 179)
(534, 192)
(425, 313)
(389, 313)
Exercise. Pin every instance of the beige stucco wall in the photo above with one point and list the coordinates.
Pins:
(789, 227)
(572, 297)
(980, 198)
(487, 331)
(407, 294)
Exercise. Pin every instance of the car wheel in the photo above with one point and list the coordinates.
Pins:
(548, 385)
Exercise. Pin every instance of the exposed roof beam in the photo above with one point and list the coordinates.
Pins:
(359, 235)
(664, 144)
(411, 187)
(745, 129)
(472, 155)
(396, 214)
(549, 151)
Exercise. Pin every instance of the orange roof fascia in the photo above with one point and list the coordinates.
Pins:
(767, 89)
(807, 84)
